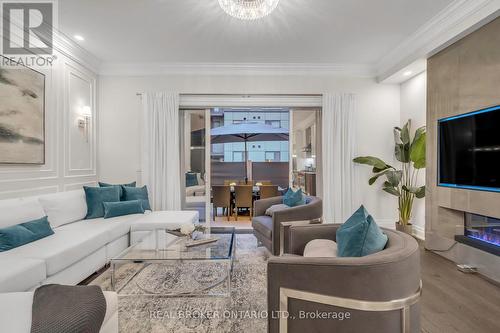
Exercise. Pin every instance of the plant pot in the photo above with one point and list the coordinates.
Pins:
(406, 228)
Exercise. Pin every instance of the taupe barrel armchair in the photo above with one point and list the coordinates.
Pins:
(379, 291)
(269, 230)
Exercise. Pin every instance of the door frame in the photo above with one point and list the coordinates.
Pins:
(208, 101)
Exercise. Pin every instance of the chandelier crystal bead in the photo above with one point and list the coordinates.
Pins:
(248, 9)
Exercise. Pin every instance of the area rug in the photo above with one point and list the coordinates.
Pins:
(244, 311)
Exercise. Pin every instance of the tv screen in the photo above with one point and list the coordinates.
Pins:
(469, 150)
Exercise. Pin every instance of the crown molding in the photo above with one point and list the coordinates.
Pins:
(65, 46)
(75, 52)
(457, 20)
(148, 69)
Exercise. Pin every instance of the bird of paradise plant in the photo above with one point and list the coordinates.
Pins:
(401, 182)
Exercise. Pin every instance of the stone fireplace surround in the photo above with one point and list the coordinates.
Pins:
(461, 78)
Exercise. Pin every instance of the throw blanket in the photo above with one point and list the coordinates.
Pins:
(63, 309)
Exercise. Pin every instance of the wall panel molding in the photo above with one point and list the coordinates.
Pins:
(76, 186)
(74, 99)
(28, 192)
(56, 175)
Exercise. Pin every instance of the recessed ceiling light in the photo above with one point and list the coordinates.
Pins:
(79, 38)
(407, 73)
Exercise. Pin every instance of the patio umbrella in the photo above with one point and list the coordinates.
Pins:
(247, 132)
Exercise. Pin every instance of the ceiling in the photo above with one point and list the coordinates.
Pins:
(198, 31)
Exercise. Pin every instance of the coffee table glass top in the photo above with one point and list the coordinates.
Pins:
(159, 245)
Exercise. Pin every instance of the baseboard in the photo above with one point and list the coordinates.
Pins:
(418, 232)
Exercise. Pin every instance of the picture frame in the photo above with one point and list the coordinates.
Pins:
(22, 114)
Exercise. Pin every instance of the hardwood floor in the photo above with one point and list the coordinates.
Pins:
(456, 302)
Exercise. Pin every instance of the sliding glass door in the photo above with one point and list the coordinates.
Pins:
(287, 152)
(195, 183)
(305, 148)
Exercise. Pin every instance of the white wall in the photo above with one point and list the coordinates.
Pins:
(413, 106)
(70, 160)
(119, 120)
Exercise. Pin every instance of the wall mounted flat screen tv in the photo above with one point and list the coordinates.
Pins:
(469, 150)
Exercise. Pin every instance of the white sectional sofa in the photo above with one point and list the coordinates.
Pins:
(78, 247)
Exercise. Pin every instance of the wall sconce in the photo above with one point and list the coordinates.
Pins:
(84, 122)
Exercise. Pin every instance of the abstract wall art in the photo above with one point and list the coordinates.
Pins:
(22, 114)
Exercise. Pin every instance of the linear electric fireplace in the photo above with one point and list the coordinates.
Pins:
(481, 232)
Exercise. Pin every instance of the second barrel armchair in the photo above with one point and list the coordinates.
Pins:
(267, 229)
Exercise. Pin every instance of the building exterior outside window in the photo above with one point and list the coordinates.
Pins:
(262, 151)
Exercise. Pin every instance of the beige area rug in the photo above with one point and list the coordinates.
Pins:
(244, 311)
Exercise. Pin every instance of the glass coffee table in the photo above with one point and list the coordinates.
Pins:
(161, 264)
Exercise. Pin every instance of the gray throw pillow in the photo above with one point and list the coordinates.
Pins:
(275, 208)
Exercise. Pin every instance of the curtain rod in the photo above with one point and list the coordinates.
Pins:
(240, 95)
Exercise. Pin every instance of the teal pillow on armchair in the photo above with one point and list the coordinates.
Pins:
(292, 199)
(360, 236)
(191, 179)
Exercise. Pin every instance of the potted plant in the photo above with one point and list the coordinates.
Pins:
(402, 182)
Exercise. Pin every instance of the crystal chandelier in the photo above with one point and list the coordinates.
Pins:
(248, 9)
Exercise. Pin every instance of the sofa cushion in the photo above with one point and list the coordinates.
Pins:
(321, 248)
(16, 211)
(164, 220)
(15, 311)
(24, 233)
(360, 236)
(64, 207)
(137, 193)
(20, 274)
(95, 196)
(114, 209)
(263, 224)
(63, 248)
(113, 228)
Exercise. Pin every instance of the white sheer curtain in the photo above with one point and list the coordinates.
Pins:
(338, 150)
(160, 149)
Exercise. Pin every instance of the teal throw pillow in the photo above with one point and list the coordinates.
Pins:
(360, 236)
(24, 233)
(95, 197)
(293, 199)
(137, 193)
(191, 179)
(113, 209)
(120, 187)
